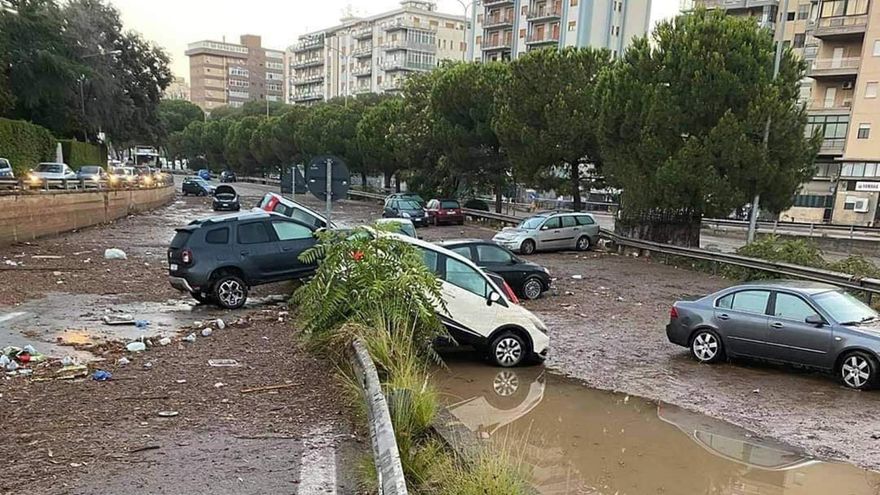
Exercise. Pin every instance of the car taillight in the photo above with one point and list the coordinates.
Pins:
(673, 313)
(509, 293)
(186, 256)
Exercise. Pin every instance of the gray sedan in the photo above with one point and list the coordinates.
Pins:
(805, 323)
(551, 231)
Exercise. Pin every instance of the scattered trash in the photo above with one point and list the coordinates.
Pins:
(12, 365)
(167, 414)
(190, 338)
(148, 365)
(136, 347)
(180, 382)
(118, 319)
(59, 282)
(222, 363)
(577, 277)
(206, 332)
(756, 391)
(198, 324)
(619, 299)
(4, 360)
(25, 371)
(101, 375)
(569, 293)
(115, 254)
(219, 384)
(164, 341)
(47, 257)
(11, 263)
(220, 324)
(283, 313)
(68, 361)
(75, 464)
(122, 361)
(142, 323)
(73, 371)
(56, 274)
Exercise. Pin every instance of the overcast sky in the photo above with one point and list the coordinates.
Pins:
(175, 23)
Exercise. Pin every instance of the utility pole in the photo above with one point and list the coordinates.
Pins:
(777, 62)
(465, 5)
(328, 201)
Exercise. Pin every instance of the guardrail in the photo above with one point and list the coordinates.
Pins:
(30, 186)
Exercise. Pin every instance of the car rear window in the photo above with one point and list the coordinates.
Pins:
(568, 221)
(449, 205)
(585, 220)
(252, 233)
(49, 167)
(217, 236)
(180, 238)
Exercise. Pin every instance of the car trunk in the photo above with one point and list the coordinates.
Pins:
(225, 193)
(179, 242)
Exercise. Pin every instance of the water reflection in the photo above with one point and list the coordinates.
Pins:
(573, 439)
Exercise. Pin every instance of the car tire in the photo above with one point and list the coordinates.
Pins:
(508, 350)
(706, 346)
(858, 370)
(532, 288)
(202, 297)
(583, 243)
(527, 247)
(460, 222)
(230, 292)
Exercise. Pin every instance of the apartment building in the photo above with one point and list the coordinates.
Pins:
(503, 29)
(177, 90)
(372, 54)
(231, 74)
(840, 40)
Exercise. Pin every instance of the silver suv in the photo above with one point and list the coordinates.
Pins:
(551, 231)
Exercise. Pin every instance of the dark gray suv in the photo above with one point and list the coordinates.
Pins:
(805, 323)
(219, 259)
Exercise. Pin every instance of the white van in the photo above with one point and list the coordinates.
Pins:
(478, 311)
(273, 202)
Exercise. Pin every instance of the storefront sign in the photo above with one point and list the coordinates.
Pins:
(868, 186)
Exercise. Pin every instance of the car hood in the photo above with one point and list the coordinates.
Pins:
(871, 329)
(510, 233)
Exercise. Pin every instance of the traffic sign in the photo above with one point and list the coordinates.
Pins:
(317, 177)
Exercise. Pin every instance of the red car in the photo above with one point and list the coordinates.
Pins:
(445, 211)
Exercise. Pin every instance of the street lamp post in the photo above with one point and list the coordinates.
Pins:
(464, 6)
(82, 93)
(345, 60)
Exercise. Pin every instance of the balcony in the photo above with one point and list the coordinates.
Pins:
(492, 3)
(840, 27)
(302, 97)
(362, 32)
(406, 65)
(362, 70)
(548, 12)
(832, 146)
(409, 45)
(395, 84)
(498, 21)
(537, 39)
(835, 67)
(838, 108)
(398, 24)
(366, 88)
(500, 43)
(309, 43)
(305, 79)
(362, 51)
(307, 62)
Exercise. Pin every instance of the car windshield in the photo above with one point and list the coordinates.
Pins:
(449, 205)
(844, 307)
(4, 163)
(531, 223)
(120, 171)
(89, 169)
(410, 205)
(52, 168)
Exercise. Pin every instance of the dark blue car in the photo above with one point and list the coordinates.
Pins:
(204, 174)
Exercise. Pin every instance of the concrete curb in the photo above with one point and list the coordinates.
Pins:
(385, 453)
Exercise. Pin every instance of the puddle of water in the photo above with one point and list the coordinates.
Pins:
(573, 439)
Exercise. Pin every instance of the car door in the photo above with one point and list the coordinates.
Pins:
(569, 231)
(502, 262)
(589, 227)
(465, 290)
(549, 234)
(741, 318)
(257, 250)
(391, 210)
(293, 238)
(790, 338)
(432, 208)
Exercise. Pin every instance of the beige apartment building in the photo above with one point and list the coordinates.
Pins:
(840, 40)
(231, 74)
(372, 54)
(177, 90)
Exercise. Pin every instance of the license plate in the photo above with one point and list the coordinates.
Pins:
(173, 267)
(450, 213)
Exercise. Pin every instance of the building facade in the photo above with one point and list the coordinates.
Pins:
(231, 74)
(840, 41)
(177, 90)
(372, 54)
(503, 29)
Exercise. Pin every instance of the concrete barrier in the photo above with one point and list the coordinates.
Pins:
(385, 453)
(25, 217)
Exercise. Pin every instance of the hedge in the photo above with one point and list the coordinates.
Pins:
(25, 144)
(76, 153)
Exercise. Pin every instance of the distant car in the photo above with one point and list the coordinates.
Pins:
(804, 323)
(51, 171)
(196, 186)
(529, 280)
(92, 175)
(204, 174)
(219, 259)
(445, 211)
(405, 208)
(228, 176)
(410, 196)
(401, 225)
(6, 169)
(225, 198)
(122, 176)
(551, 231)
(276, 203)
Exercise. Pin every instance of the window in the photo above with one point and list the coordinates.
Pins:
(871, 90)
(464, 251)
(864, 131)
(492, 254)
(751, 301)
(799, 40)
(877, 48)
(568, 221)
(238, 71)
(812, 201)
(289, 231)
(522, 33)
(571, 25)
(524, 10)
(574, 3)
(790, 16)
(552, 223)
(585, 220)
(479, 40)
(803, 12)
(430, 259)
(480, 18)
(791, 307)
(725, 302)
(217, 236)
(252, 233)
(465, 277)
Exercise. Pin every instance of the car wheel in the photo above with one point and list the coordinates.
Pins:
(230, 292)
(507, 350)
(532, 288)
(706, 346)
(858, 370)
(583, 243)
(460, 222)
(527, 247)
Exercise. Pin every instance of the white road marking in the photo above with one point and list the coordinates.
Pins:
(10, 316)
(318, 463)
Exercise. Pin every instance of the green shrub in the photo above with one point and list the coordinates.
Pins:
(856, 266)
(772, 248)
(25, 145)
(76, 153)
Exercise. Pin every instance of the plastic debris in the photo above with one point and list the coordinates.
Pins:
(136, 347)
(12, 365)
(220, 324)
(73, 371)
(4, 360)
(11, 262)
(68, 361)
(118, 319)
(123, 361)
(167, 414)
(206, 332)
(142, 323)
(101, 375)
(198, 324)
(577, 277)
(219, 385)
(190, 338)
(148, 365)
(222, 363)
(164, 341)
(115, 254)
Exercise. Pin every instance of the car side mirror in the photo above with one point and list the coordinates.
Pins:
(815, 320)
(544, 227)
(493, 298)
(513, 261)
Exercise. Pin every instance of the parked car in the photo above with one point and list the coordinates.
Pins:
(6, 169)
(219, 259)
(92, 175)
(405, 208)
(804, 323)
(529, 280)
(197, 186)
(204, 174)
(551, 231)
(122, 176)
(50, 171)
(225, 198)
(228, 176)
(276, 203)
(410, 196)
(443, 211)
(401, 225)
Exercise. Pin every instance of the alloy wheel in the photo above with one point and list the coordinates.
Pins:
(508, 351)
(583, 243)
(532, 288)
(856, 371)
(705, 346)
(506, 383)
(528, 246)
(230, 293)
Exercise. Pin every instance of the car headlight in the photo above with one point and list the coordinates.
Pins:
(405, 215)
(130, 178)
(545, 270)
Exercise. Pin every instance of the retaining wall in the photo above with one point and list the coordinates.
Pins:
(24, 217)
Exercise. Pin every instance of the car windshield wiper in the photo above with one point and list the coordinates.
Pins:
(851, 323)
(869, 318)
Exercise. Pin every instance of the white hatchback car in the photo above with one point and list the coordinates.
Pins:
(478, 311)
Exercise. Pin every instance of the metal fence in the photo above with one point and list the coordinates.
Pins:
(32, 186)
